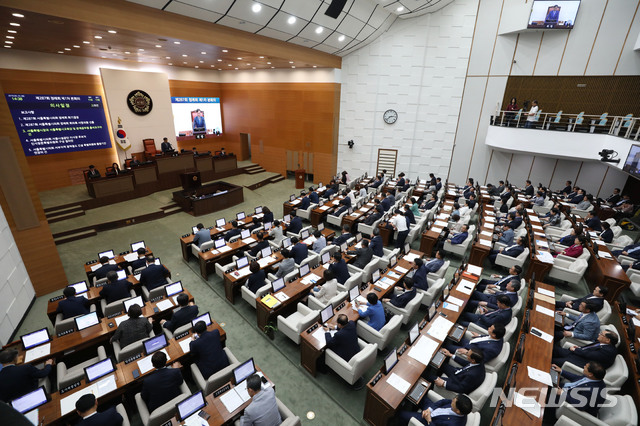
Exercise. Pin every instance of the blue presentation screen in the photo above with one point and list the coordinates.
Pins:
(52, 124)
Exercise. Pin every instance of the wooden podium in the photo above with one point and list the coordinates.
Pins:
(300, 179)
(190, 180)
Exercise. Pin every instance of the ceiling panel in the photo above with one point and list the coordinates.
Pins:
(309, 32)
(241, 9)
(278, 35)
(350, 26)
(188, 10)
(240, 24)
(219, 6)
(280, 23)
(334, 41)
(304, 9)
(362, 10)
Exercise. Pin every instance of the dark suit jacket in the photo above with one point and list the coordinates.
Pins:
(515, 223)
(607, 236)
(594, 223)
(566, 190)
(364, 256)
(597, 301)
(181, 317)
(345, 342)
(258, 247)
(232, 233)
(492, 300)
(340, 271)
(161, 387)
(578, 393)
(420, 278)
(372, 218)
(17, 380)
(401, 182)
(434, 265)
(386, 204)
(140, 263)
(255, 281)
(295, 226)
(377, 183)
(101, 272)
(635, 254)
(401, 300)
(465, 379)
(73, 306)
(108, 417)
(314, 197)
(604, 354)
(154, 276)
(299, 252)
(502, 316)
(513, 251)
(376, 246)
(459, 238)
(443, 420)
(268, 217)
(490, 349)
(528, 190)
(304, 203)
(116, 291)
(428, 205)
(208, 353)
(410, 216)
(342, 238)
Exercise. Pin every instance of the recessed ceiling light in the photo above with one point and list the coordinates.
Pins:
(9, 47)
(290, 62)
(86, 42)
(10, 42)
(219, 60)
(341, 38)
(104, 57)
(98, 37)
(202, 62)
(319, 30)
(170, 63)
(112, 31)
(248, 64)
(400, 9)
(315, 66)
(261, 57)
(176, 42)
(293, 66)
(257, 7)
(224, 50)
(59, 51)
(239, 59)
(184, 56)
(167, 57)
(18, 15)
(272, 67)
(11, 37)
(141, 50)
(203, 53)
(114, 54)
(67, 49)
(158, 45)
(184, 63)
(12, 31)
(311, 415)
(212, 65)
(268, 63)
(236, 68)
(291, 20)
(13, 24)
(228, 64)
(76, 46)
(196, 66)
(254, 68)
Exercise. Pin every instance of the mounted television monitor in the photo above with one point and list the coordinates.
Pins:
(632, 165)
(204, 317)
(190, 405)
(390, 361)
(277, 285)
(242, 372)
(86, 321)
(354, 293)
(44, 136)
(195, 117)
(80, 286)
(132, 301)
(136, 246)
(31, 400)
(327, 313)
(109, 254)
(173, 288)
(36, 338)
(220, 222)
(155, 344)
(553, 14)
(242, 262)
(98, 370)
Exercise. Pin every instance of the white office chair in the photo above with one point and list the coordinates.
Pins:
(354, 280)
(336, 221)
(458, 249)
(555, 231)
(358, 364)
(582, 213)
(382, 337)
(220, 268)
(217, 379)
(569, 271)
(618, 410)
(250, 297)
(66, 376)
(69, 323)
(433, 292)
(297, 322)
(440, 272)
(478, 397)
(509, 262)
(315, 303)
(306, 214)
(155, 292)
(616, 375)
(604, 314)
(196, 250)
(113, 307)
(510, 328)
(408, 311)
(163, 413)
(122, 353)
(367, 271)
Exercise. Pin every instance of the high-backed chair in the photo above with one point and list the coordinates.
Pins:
(177, 331)
(616, 375)
(408, 310)
(459, 249)
(315, 303)
(306, 214)
(582, 213)
(216, 380)
(368, 269)
(250, 297)
(510, 328)
(556, 231)
(382, 337)
(509, 262)
(220, 268)
(67, 375)
(154, 292)
(113, 307)
(163, 413)
(354, 279)
(569, 271)
(473, 419)
(617, 410)
(125, 418)
(603, 313)
(122, 353)
(620, 242)
(336, 220)
(433, 292)
(478, 397)
(69, 323)
(99, 282)
(358, 364)
(150, 149)
(195, 249)
(298, 321)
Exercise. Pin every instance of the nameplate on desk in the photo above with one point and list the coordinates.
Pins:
(53, 299)
(222, 390)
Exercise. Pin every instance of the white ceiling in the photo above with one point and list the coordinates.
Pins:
(359, 23)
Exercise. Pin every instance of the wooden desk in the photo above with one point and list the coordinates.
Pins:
(210, 258)
(536, 266)
(209, 198)
(105, 186)
(480, 251)
(318, 214)
(225, 164)
(606, 272)
(119, 259)
(187, 239)
(233, 281)
(632, 385)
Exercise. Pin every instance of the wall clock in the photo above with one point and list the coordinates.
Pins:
(390, 116)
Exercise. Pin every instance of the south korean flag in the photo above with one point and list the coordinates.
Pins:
(121, 137)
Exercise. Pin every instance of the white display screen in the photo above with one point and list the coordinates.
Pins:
(194, 116)
(30, 401)
(266, 252)
(326, 314)
(220, 242)
(108, 253)
(133, 301)
(204, 317)
(86, 321)
(244, 371)
(554, 14)
(81, 287)
(242, 262)
(354, 293)
(240, 216)
(277, 285)
(99, 369)
(36, 338)
(174, 288)
(245, 234)
(220, 223)
(190, 405)
(136, 246)
(304, 270)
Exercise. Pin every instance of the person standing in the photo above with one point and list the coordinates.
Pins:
(531, 115)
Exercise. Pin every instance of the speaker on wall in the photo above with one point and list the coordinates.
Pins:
(335, 8)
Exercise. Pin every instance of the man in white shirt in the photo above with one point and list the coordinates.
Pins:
(399, 223)
(531, 115)
(276, 232)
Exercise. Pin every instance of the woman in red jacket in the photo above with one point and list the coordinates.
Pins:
(576, 249)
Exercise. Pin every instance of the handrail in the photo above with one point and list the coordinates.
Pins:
(627, 127)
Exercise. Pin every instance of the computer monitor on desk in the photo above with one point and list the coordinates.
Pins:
(304, 270)
(155, 344)
(245, 233)
(138, 245)
(326, 257)
(122, 275)
(240, 216)
(413, 334)
(35, 338)
(258, 210)
(190, 405)
(204, 317)
(354, 293)
(132, 301)
(173, 288)
(242, 262)
(109, 254)
(99, 369)
(220, 242)
(286, 242)
(80, 286)
(277, 285)
(242, 372)
(86, 321)
(326, 314)
(31, 400)
(390, 361)
(220, 222)
(265, 252)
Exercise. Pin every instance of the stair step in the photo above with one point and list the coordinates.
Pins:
(76, 236)
(172, 210)
(55, 209)
(66, 216)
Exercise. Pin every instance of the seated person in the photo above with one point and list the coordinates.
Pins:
(299, 250)
(262, 244)
(345, 342)
(602, 351)
(296, 224)
(267, 215)
(576, 249)
(344, 237)
(339, 268)
(554, 219)
(202, 236)
(538, 200)
(183, 315)
(490, 345)
(305, 202)
(101, 272)
(415, 207)
(632, 250)
(165, 146)
(585, 203)
(93, 172)
(376, 243)
(263, 409)
(133, 329)
(568, 240)
(420, 274)
(72, 305)
(586, 326)
(256, 278)
(430, 202)
(511, 251)
(162, 385)
(276, 233)
(141, 262)
(593, 221)
(458, 238)
(374, 216)
(17, 380)
(497, 282)
(363, 255)
(153, 275)
(115, 289)
(408, 213)
(327, 291)
(449, 412)
(486, 318)
(596, 298)
(206, 350)
(614, 198)
(374, 312)
(402, 297)
(319, 243)
(490, 301)
(506, 236)
(344, 204)
(313, 195)
(287, 265)
(233, 232)
(435, 264)
(577, 387)
(87, 409)
(607, 233)
(464, 379)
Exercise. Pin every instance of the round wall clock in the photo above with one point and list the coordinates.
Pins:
(139, 102)
(390, 116)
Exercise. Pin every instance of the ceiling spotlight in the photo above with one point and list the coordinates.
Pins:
(315, 66)
(59, 51)
(254, 68)
(341, 38)
(202, 62)
(219, 60)
(176, 42)
(86, 42)
(170, 63)
(224, 50)
(272, 67)
(239, 59)
(112, 31)
(9, 47)
(261, 57)
(319, 30)
(257, 7)
(184, 63)
(268, 63)
(18, 15)
(98, 37)
(293, 66)
(400, 9)
(13, 24)
(248, 64)
(184, 56)
(236, 68)
(10, 37)
(290, 62)
(196, 66)
(203, 53)
(67, 49)
(167, 57)
(291, 20)
(141, 50)
(12, 31)
(10, 42)
(76, 46)
(158, 46)
(229, 64)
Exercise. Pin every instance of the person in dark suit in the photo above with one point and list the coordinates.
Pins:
(607, 232)
(593, 221)
(376, 243)
(386, 202)
(471, 202)
(567, 189)
(511, 251)
(420, 274)
(299, 250)
(615, 197)
(165, 146)
(93, 172)
(234, 231)
(296, 224)
(332, 188)
(141, 262)
(101, 272)
(17, 380)
(154, 275)
(376, 215)
(267, 215)
(528, 189)
(377, 182)
(602, 351)
(345, 342)
(181, 316)
(262, 244)
(87, 409)
(436, 263)
(438, 184)
(363, 255)
(313, 195)
(345, 203)
(339, 268)
(445, 412)
(579, 390)
(256, 279)
(409, 214)
(490, 345)
(486, 318)
(346, 234)
(401, 182)
(596, 299)
(206, 350)
(632, 250)
(585, 326)
(202, 236)
(498, 283)
(464, 379)
(460, 236)
(404, 296)
(429, 202)
(305, 202)
(115, 289)
(162, 385)
(72, 305)
(491, 300)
